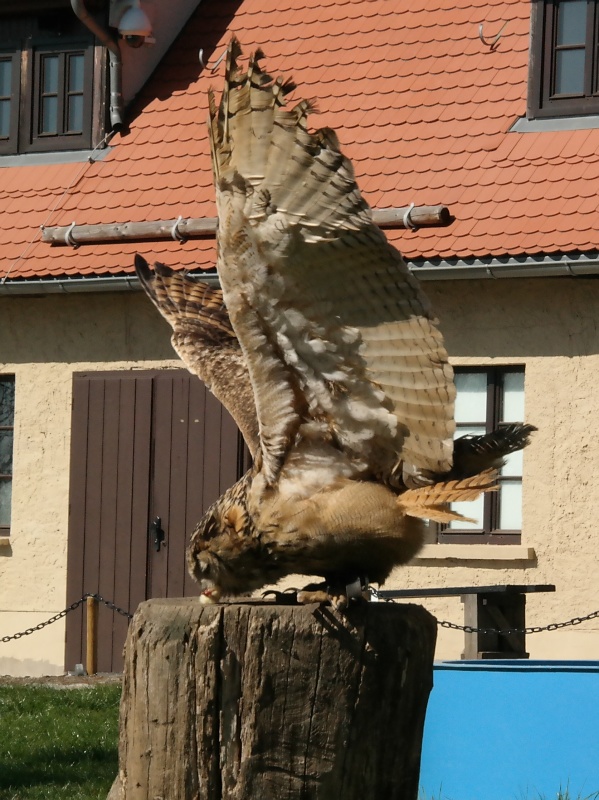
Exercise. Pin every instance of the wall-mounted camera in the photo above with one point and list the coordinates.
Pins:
(134, 25)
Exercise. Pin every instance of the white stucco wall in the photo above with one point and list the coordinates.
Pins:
(549, 325)
(43, 341)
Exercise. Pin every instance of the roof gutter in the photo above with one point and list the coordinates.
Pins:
(115, 62)
(577, 266)
(112, 283)
(573, 265)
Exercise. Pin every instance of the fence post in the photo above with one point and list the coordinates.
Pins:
(91, 604)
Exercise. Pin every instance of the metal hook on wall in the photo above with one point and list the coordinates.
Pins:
(490, 43)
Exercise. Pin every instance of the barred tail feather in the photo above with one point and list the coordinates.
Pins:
(432, 502)
(473, 454)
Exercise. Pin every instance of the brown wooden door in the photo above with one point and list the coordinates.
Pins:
(145, 445)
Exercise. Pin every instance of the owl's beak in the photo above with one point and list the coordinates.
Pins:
(210, 596)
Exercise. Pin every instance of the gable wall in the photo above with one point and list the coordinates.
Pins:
(547, 324)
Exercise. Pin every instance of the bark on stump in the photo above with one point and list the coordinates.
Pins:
(256, 701)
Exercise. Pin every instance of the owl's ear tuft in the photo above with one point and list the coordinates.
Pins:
(235, 519)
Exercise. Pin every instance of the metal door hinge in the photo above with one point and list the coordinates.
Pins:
(157, 535)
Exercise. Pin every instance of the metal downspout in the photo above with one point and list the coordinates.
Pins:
(115, 62)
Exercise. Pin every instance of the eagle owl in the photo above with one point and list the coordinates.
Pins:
(327, 354)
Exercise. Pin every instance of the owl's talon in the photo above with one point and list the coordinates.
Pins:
(287, 598)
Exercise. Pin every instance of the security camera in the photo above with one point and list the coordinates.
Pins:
(134, 40)
(134, 26)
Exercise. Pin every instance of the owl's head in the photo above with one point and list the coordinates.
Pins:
(204, 565)
(223, 554)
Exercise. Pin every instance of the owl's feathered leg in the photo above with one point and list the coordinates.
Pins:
(334, 593)
(338, 593)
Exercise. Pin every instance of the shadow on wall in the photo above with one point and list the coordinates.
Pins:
(82, 328)
(29, 668)
(505, 318)
(509, 319)
(476, 566)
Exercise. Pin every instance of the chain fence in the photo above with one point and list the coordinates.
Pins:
(553, 626)
(64, 612)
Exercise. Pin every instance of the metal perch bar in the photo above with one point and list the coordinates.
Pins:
(501, 607)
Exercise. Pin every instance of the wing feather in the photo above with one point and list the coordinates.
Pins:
(339, 338)
(204, 339)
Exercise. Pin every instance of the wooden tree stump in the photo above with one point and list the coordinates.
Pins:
(257, 701)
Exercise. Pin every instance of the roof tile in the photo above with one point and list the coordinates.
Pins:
(421, 105)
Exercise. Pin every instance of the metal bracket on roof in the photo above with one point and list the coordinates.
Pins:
(490, 43)
(408, 222)
(176, 233)
(568, 266)
(214, 67)
(68, 236)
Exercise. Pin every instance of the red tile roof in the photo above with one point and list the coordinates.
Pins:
(421, 106)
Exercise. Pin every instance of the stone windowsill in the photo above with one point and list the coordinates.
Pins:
(473, 552)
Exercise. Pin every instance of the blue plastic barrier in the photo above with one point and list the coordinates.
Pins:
(511, 730)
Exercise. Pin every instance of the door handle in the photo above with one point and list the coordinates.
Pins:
(157, 535)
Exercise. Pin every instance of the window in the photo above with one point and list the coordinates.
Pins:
(7, 413)
(47, 89)
(564, 68)
(9, 93)
(485, 399)
(58, 103)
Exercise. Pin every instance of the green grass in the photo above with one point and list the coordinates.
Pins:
(61, 744)
(58, 744)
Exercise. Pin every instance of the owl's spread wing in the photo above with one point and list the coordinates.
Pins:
(339, 339)
(204, 339)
